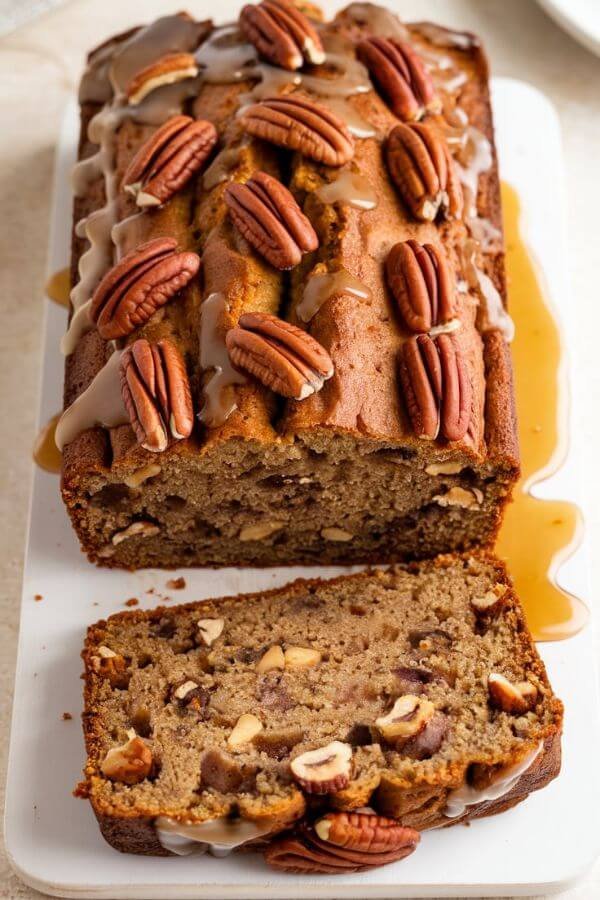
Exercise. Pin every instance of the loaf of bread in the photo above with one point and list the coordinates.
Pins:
(288, 340)
(414, 694)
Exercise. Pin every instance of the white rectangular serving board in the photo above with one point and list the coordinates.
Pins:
(52, 839)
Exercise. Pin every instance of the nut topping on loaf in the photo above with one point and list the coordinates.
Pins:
(282, 356)
(401, 75)
(437, 386)
(345, 470)
(170, 68)
(169, 158)
(423, 171)
(156, 393)
(265, 212)
(140, 284)
(421, 284)
(282, 34)
(298, 123)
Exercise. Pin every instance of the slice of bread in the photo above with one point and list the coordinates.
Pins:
(422, 683)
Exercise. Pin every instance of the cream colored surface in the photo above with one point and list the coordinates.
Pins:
(39, 67)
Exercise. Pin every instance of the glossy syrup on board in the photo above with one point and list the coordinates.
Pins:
(45, 453)
(58, 287)
(537, 535)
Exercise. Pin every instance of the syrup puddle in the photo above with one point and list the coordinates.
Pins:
(537, 535)
(45, 453)
(58, 287)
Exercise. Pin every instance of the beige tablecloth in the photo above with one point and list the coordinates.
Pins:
(39, 67)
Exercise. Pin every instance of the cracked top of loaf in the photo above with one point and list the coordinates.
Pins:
(343, 282)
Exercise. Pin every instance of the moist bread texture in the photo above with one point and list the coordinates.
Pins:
(223, 698)
(339, 477)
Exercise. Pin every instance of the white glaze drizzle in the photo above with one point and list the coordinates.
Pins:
(506, 778)
(348, 187)
(219, 399)
(217, 836)
(100, 404)
(322, 287)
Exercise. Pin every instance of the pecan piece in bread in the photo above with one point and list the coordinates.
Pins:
(422, 169)
(281, 356)
(168, 159)
(282, 34)
(421, 284)
(436, 385)
(139, 284)
(267, 215)
(401, 75)
(343, 842)
(299, 124)
(168, 69)
(156, 393)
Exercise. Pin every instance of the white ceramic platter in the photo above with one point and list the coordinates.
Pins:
(579, 18)
(53, 840)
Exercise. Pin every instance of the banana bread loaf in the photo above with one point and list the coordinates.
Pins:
(288, 340)
(414, 694)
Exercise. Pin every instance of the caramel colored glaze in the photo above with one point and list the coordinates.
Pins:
(59, 287)
(45, 453)
(537, 535)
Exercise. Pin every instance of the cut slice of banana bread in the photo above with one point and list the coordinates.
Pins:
(416, 692)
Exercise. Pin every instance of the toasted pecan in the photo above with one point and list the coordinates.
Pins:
(168, 159)
(400, 73)
(267, 215)
(139, 284)
(156, 393)
(282, 34)
(300, 124)
(422, 169)
(284, 358)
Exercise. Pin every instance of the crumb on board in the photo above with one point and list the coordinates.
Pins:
(67, 716)
(176, 584)
(133, 601)
(38, 597)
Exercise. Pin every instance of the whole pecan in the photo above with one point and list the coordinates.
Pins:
(422, 169)
(156, 393)
(343, 842)
(167, 69)
(421, 284)
(281, 356)
(139, 284)
(168, 159)
(282, 34)
(299, 124)
(401, 75)
(436, 385)
(267, 215)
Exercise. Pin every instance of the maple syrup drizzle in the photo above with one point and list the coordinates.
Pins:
(348, 187)
(537, 535)
(45, 453)
(58, 287)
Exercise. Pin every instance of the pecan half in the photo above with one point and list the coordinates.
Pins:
(267, 215)
(168, 159)
(156, 393)
(283, 357)
(401, 75)
(436, 385)
(343, 842)
(282, 34)
(299, 124)
(421, 284)
(168, 69)
(422, 169)
(140, 283)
